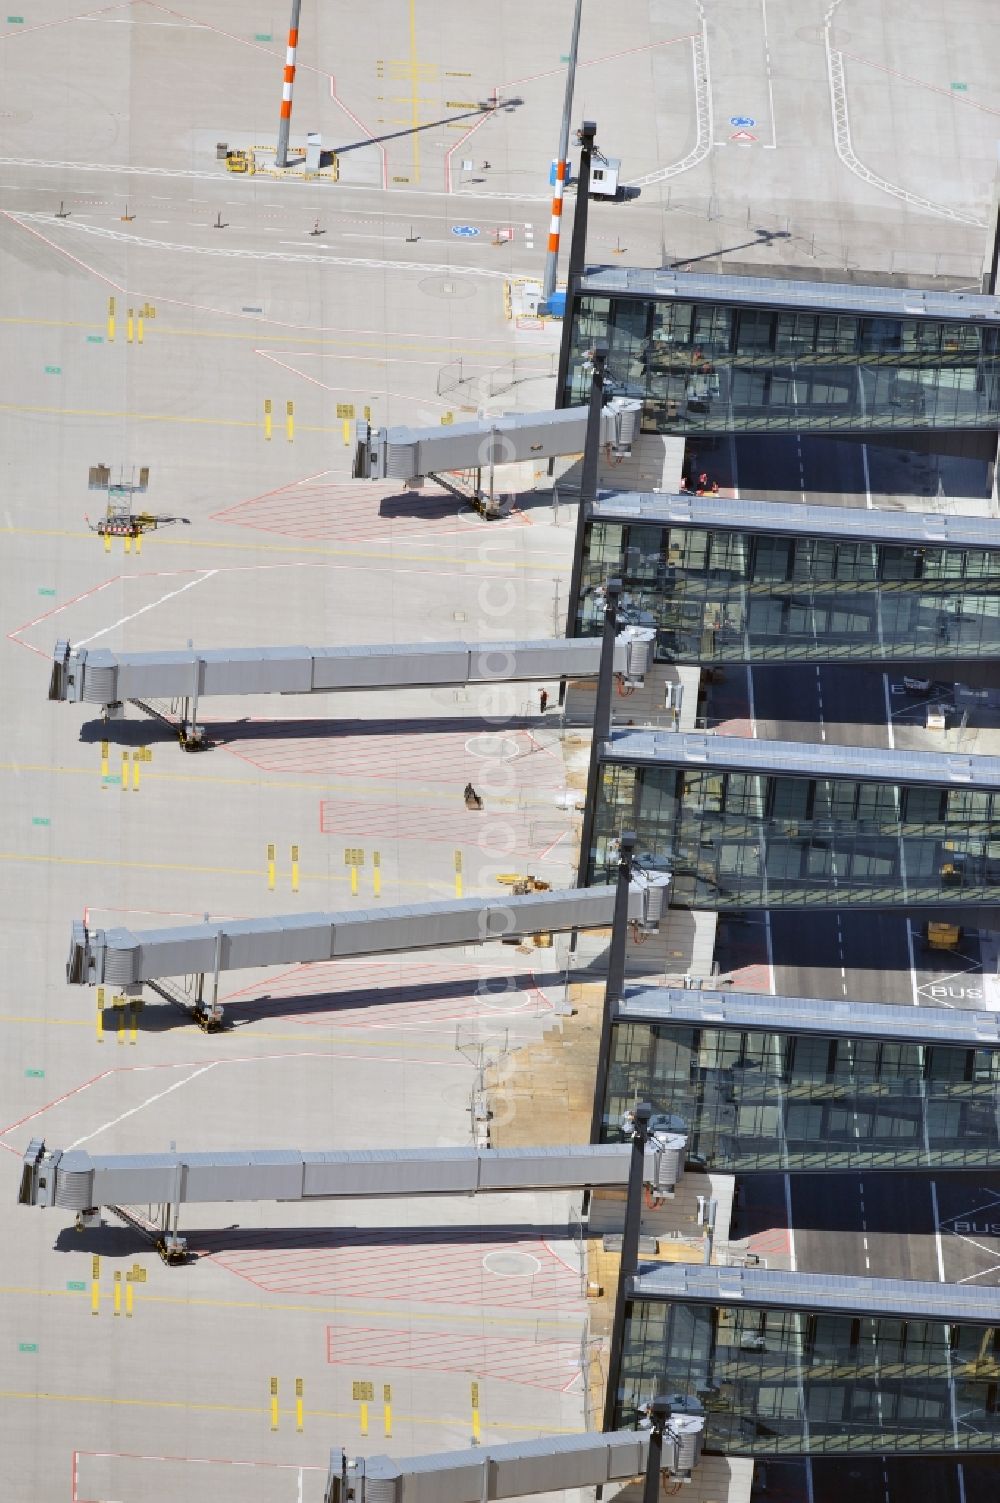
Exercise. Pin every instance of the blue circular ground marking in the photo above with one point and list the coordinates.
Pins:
(469, 231)
(742, 122)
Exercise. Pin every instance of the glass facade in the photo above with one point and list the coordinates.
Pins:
(708, 367)
(769, 1100)
(718, 596)
(783, 1381)
(769, 840)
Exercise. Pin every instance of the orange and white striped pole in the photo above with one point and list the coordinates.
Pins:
(285, 122)
(555, 223)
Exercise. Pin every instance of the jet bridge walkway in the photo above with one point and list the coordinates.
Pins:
(99, 676)
(523, 1467)
(411, 454)
(77, 1181)
(124, 959)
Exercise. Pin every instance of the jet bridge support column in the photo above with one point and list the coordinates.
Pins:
(602, 724)
(615, 984)
(588, 479)
(630, 1257)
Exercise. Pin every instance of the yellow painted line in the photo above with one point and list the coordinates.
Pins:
(400, 344)
(456, 1318)
(114, 1401)
(147, 417)
(423, 797)
(152, 866)
(430, 560)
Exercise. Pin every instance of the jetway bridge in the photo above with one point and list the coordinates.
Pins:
(99, 676)
(125, 959)
(77, 1181)
(522, 1468)
(412, 454)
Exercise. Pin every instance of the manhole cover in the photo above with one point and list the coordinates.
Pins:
(457, 287)
(512, 1265)
(492, 748)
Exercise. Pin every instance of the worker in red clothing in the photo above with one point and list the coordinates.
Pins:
(543, 700)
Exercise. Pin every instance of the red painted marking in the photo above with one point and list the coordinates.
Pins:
(922, 83)
(449, 992)
(14, 636)
(363, 1264)
(775, 1240)
(279, 1466)
(428, 759)
(57, 1101)
(538, 1364)
(339, 817)
(608, 57)
(349, 511)
(58, 248)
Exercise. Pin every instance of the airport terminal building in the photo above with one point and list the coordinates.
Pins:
(734, 580)
(745, 824)
(813, 1364)
(766, 1084)
(716, 354)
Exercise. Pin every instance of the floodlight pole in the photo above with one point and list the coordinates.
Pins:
(288, 79)
(552, 252)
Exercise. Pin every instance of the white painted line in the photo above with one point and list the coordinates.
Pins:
(888, 713)
(772, 144)
(937, 1232)
(770, 952)
(788, 1218)
(914, 988)
(208, 573)
(174, 247)
(143, 1104)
